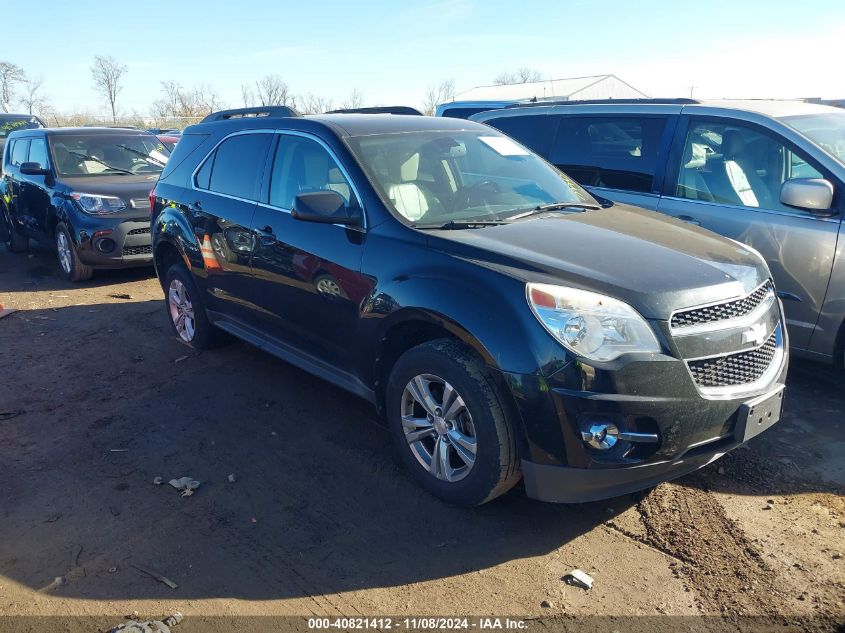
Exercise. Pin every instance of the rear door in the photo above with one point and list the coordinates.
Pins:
(20, 216)
(726, 175)
(226, 188)
(616, 156)
(34, 193)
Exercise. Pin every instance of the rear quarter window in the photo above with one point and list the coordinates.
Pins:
(186, 146)
(611, 152)
(533, 131)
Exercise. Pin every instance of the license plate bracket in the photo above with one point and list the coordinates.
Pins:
(755, 416)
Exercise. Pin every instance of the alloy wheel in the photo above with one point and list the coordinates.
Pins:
(181, 310)
(438, 427)
(63, 250)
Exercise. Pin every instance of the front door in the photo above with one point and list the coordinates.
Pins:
(728, 179)
(307, 278)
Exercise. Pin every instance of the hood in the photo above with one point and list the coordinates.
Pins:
(134, 190)
(655, 263)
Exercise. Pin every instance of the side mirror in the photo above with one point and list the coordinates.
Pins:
(33, 169)
(813, 194)
(326, 207)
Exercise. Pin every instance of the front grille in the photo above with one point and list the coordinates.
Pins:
(138, 250)
(721, 311)
(143, 231)
(735, 369)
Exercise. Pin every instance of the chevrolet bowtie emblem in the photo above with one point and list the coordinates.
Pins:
(755, 334)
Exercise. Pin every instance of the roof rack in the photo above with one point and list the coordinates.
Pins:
(378, 110)
(239, 113)
(649, 101)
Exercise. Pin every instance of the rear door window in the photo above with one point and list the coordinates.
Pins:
(236, 167)
(610, 152)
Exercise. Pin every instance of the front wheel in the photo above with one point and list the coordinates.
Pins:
(71, 266)
(449, 425)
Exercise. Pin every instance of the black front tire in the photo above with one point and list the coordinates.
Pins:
(496, 468)
(75, 271)
(203, 335)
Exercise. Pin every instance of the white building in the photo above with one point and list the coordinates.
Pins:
(575, 88)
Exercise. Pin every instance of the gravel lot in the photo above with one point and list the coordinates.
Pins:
(98, 399)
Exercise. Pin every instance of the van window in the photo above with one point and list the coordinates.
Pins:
(611, 152)
(239, 165)
(533, 131)
(737, 165)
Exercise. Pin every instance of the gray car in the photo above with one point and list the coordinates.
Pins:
(770, 174)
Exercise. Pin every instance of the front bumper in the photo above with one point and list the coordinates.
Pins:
(654, 396)
(119, 244)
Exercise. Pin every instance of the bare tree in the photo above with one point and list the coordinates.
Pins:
(179, 103)
(356, 100)
(272, 90)
(247, 96)
(32, 99)
(441, 93)
(107, 73)
(313, 104)
(10, 74)
(521, 76)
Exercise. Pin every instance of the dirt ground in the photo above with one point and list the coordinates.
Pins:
(97, 399)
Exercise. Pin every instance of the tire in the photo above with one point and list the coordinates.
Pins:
(186, 312)
(70, 265)
(16, 243)
(481, 420)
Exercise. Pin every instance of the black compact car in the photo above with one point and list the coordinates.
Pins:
(83, 190)
(505, 323)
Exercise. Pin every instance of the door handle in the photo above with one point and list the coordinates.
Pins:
(689, 219)
(195, 207)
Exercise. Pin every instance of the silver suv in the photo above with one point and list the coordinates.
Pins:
(770, 174)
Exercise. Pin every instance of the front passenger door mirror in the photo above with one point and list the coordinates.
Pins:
(812, 194)
(326, 207)
(33, 169)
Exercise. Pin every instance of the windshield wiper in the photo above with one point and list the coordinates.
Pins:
(554, 206)
(97, 160)
(144, 155)
(462, 224)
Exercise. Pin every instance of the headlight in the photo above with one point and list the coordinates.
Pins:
(590, 325)
(97, 204)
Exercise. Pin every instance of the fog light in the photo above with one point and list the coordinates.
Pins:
(601, 435)
(105, 245)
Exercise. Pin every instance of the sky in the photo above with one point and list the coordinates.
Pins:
(391, 52)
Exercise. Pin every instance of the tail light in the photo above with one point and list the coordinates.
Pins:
(152, 201)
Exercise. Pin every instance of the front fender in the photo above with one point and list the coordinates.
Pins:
(494, 319)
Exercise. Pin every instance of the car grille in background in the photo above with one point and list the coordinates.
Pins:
(721, 311)
(734, 369)
(138, 250)
(143, 231)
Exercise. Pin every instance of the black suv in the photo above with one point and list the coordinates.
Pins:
(83, 190)
(505, 323)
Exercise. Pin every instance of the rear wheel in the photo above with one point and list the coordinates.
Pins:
(69, 263)
(449, 425)
(186, 311)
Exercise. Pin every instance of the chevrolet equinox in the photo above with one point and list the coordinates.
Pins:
(505, 323)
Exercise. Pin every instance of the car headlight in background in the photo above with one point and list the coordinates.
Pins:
(97, 204)
(591, 325)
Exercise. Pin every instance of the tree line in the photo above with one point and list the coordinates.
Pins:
(179, 105)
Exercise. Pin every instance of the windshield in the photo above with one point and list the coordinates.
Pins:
(825, 130)
(12, 123)
(108, 154)
(433, 178)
